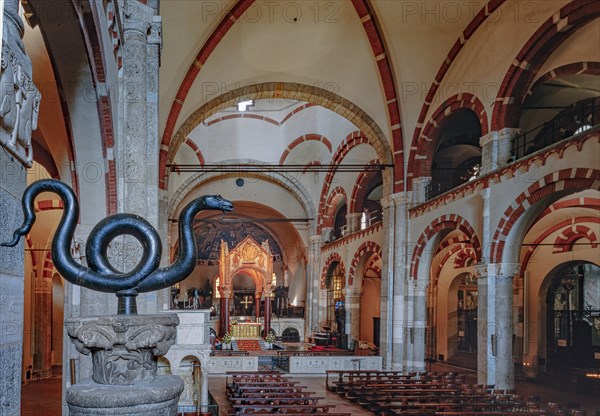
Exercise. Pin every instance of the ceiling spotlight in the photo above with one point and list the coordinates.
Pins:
(244, 105)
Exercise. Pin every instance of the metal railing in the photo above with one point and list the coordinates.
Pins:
(445, 179)
(573, 120)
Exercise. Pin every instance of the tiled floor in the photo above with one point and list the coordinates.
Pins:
(42, 398)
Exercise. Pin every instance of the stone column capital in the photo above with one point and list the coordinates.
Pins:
(124, 348)
(488, 138)
(508, 133)
(137, 17)
(421, 285)
(498, 270)
(399, 198)
(351, 292)
(315, 239)
(155, 31)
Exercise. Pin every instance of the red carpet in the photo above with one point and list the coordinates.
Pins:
(248, 345)
(322, 348)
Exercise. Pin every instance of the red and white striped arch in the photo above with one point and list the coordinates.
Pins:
(364, 249)
(334, 257)
(445, 222)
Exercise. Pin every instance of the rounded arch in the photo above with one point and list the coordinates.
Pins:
(196, 151)
(333, 258)
(540, 238)
(465, 252)
(352, 140)
(286, 182)
(565, 241)
(550, 35)
(515, 221)
(427, 142)
(290, 90)
(445, 222)
(575, 68)
(257, 275)
(362, 186)
(476, 23)
(290, 334)
(337, 196)
(363, 249)
(302, 139)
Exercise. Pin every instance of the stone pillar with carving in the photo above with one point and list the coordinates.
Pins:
(19, 105)
(496, 147)
(138, 144)
(124, 351)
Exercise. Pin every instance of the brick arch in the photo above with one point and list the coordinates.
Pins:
(48, 205)
(309, 165)
(333, 200)
(550, 35)
(585, 202)
(420, 164)
(565, 241)
(445, 222)
(352, 140)
(196, 151)
(462, 259)
(48, 266)
(386, 74)
(31, 253)
(302, 139)
(456, 248)
(334, 257)
(566, 223)
(262, 118)
(475, 23)
(364, 248)
(451, 241)
(575, 68)
(318, 96)
(566, 179)
(361, 187)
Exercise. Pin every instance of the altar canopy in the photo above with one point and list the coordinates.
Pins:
(253, 260)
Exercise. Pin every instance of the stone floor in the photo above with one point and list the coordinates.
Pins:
(42, 398)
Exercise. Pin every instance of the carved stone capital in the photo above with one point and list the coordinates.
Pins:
(498, 270)
(137, 17)
(488, 138)
(124, 349)
(155, 32)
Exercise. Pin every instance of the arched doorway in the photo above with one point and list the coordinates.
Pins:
(572, 317)
(336, 311)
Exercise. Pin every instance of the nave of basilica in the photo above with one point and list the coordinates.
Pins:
(416, 184)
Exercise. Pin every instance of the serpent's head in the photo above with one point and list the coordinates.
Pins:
(217, 202)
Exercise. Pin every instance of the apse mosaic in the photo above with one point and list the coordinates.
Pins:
(209, 236)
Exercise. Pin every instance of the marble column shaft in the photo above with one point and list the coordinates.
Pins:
(505, 378)
(314, 281)
(353, 313)
(393, 280)
(419, 323)
(42, 362)
(204, 392)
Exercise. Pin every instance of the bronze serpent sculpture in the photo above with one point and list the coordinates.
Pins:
(100, 275)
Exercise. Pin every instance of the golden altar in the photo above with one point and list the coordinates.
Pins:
(246, 330)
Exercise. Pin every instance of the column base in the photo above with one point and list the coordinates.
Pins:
(155, 398)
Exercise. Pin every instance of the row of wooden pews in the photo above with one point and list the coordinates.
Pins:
(435, 394)
(270, 392)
